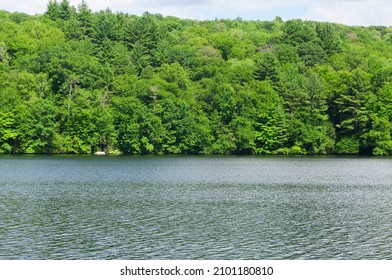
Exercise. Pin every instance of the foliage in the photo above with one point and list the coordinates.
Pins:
(77, 81)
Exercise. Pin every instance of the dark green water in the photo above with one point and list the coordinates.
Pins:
(85, 207)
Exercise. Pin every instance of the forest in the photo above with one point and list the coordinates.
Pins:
(73, 81)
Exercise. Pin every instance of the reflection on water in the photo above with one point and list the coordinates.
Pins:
(82, 207)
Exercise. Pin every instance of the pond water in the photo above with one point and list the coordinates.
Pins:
(195, 207)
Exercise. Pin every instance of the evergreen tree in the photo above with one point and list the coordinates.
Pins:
(65, 10)
(53, 10)
(85, 18)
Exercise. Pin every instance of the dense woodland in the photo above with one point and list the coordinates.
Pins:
(74, 81)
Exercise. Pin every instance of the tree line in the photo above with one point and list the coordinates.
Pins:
(77, 81)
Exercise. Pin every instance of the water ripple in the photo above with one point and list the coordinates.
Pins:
(195, 208)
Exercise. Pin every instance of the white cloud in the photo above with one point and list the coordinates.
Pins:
(352, 12)
(31, 7)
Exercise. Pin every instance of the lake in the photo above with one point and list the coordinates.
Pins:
(195, 207)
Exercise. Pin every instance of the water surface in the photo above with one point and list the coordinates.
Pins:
(86, 207)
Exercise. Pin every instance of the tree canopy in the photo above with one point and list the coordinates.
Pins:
(77, 81)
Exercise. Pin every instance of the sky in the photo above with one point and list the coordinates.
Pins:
(350, 12)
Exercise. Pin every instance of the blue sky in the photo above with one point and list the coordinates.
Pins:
(351, 12)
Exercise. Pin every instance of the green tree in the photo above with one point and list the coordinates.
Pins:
(329, 39)
(351, 115)
(8, 132)
(52, 10)
(106, 26)
(65, 10)
(140, 57)
(297, 32)
(85, 17)
(126, 121)
(223, 42)
(145, 31)
(39, 129)
(311, 53)
(378, 139)
(267, 68)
